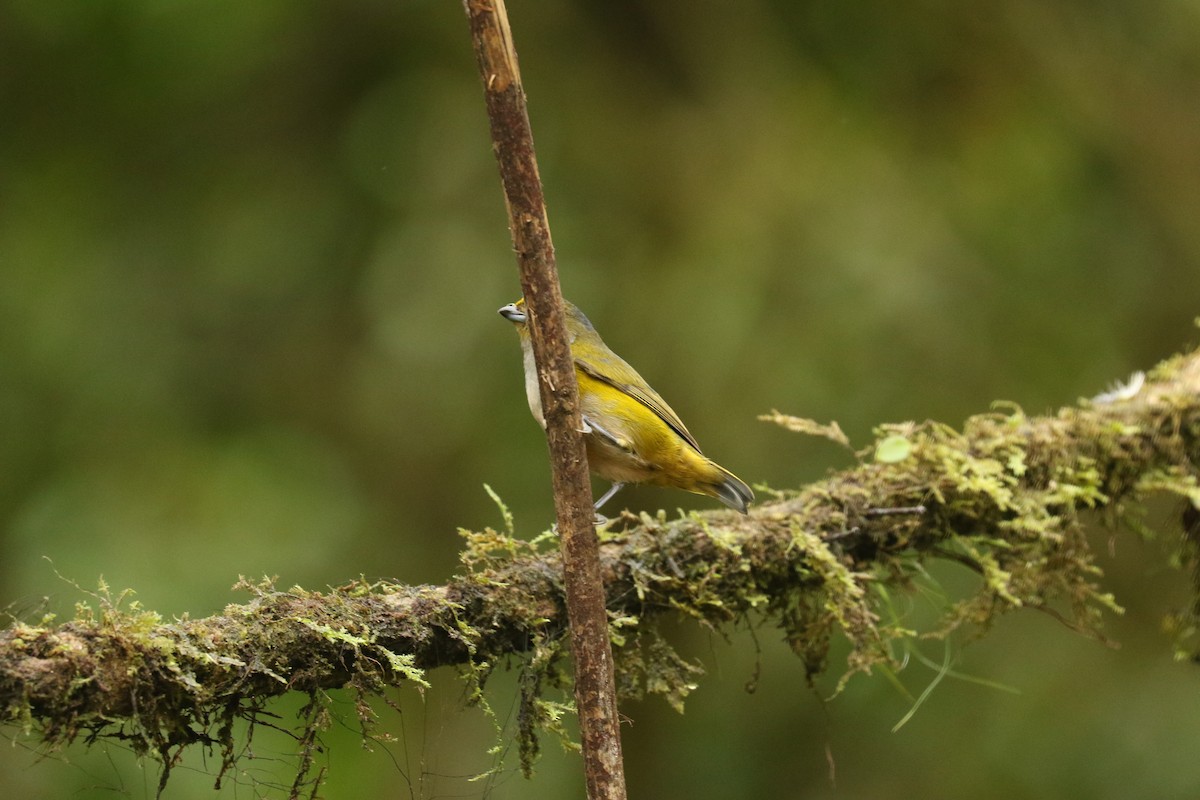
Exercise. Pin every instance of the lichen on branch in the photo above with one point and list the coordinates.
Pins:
(1007, 496)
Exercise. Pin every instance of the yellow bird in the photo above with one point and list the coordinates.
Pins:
(631, 434)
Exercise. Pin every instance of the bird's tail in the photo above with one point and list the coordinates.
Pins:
(730, 490)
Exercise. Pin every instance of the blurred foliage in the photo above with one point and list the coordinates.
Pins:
(252, 252)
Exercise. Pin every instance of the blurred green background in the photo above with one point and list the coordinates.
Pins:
(251, 255)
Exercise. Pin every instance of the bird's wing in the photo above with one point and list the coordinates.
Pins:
(625, 379)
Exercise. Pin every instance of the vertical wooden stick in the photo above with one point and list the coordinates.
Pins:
(512, 141)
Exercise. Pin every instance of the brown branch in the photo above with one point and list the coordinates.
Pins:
(1006, 495)
(512, 141)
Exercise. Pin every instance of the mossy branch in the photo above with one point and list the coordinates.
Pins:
(1005, 496)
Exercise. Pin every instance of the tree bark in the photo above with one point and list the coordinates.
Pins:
(512, 141)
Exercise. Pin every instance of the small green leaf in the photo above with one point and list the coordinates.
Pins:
(892, 449)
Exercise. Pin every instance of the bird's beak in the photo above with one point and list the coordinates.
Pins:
(511, 313)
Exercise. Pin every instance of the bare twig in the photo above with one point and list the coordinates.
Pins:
(512, 140)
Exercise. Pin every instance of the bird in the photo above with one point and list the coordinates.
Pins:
(631, 434)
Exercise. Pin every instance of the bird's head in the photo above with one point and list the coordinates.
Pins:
(577, 324)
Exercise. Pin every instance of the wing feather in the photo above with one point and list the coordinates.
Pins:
(624, 378)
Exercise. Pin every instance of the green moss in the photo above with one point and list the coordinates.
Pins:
(1008, 497)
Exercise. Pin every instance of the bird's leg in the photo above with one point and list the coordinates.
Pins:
(616, 487)
(597, 430)
(599, 519)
